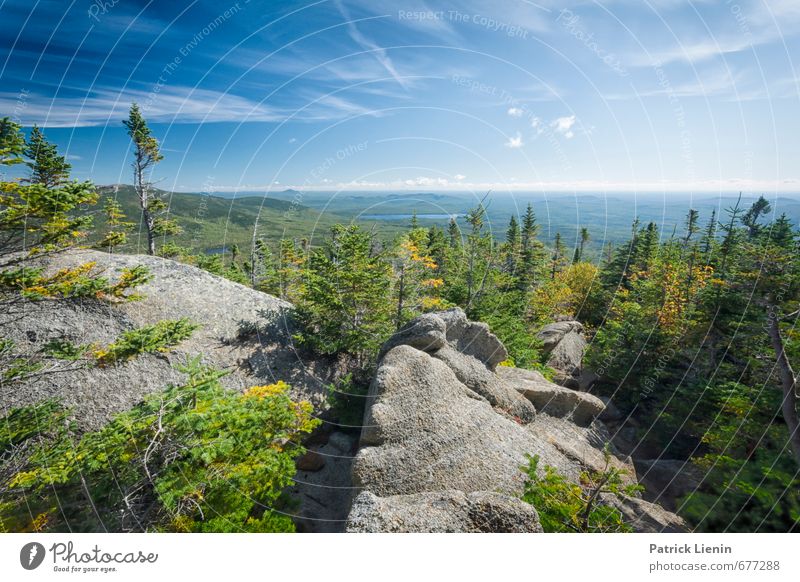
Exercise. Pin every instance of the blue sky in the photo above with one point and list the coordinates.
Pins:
(413, 95)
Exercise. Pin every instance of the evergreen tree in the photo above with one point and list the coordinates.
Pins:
(437, 246)
(48, 168)
(529, 228)
(709, 237)
(262, 269)
(12, 143)
(342, 302)
(513, 242)
(117, 227)
(760, 207)
(557, 258)
(291, 263)
(147, 153)
(691, 225)
(478, 255)
(532, 254)
(578, 256)
(731, 237)
(453, 233)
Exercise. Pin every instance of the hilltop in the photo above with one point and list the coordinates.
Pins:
(212, 222)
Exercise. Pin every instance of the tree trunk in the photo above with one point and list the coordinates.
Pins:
(788, 382)
(151, 237)
(400, 298)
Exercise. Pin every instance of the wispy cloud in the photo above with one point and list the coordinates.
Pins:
(173, 104)
(367, 44)
(515, 111)
(750, 24)
(169, 105)
(724, 82)
(694, 52)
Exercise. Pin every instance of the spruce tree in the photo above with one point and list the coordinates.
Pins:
(12, 143)
(437, 248)
(557, 260)
(453, 233)
(578, 256)
(414, 220)
(531, 253)
(342, 303)
(147, 153)
(48, 168)
(479, 255)
(691, 225)
(760, 207)
(116, 226)
(709, 237)
(513, 243)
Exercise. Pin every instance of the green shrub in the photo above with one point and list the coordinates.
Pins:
(145, 340)
(564, 506)
(195, 457)
(347, 400)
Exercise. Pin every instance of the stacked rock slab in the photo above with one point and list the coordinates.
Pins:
(565, 345)
(446, 431)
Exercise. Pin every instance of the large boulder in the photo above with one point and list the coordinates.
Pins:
(646, 517)
(435, 428)
(470, 350)
(473, 338)
(473, 374)
(427, 333)
(565, 345)
(553, 399)
(243, 331)
(552, 333)
(424, 432)
(440, 512)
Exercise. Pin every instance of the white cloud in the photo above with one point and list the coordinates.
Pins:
(292, 139)
(788, 185)
(515, 112)
(172, 104)
(169, 105)
(459, 177)
(515, 142)
(369, 45)
(720, 81)
(427, 182)
(696, 52)
(536, 123)
(563, 125)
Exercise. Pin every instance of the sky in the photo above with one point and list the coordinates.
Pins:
(581, 95)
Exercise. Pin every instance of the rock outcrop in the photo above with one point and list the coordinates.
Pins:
(553, 399)
(242, 331)
(441, 512)
(565, 344)
(444, 423)
(446, 428)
